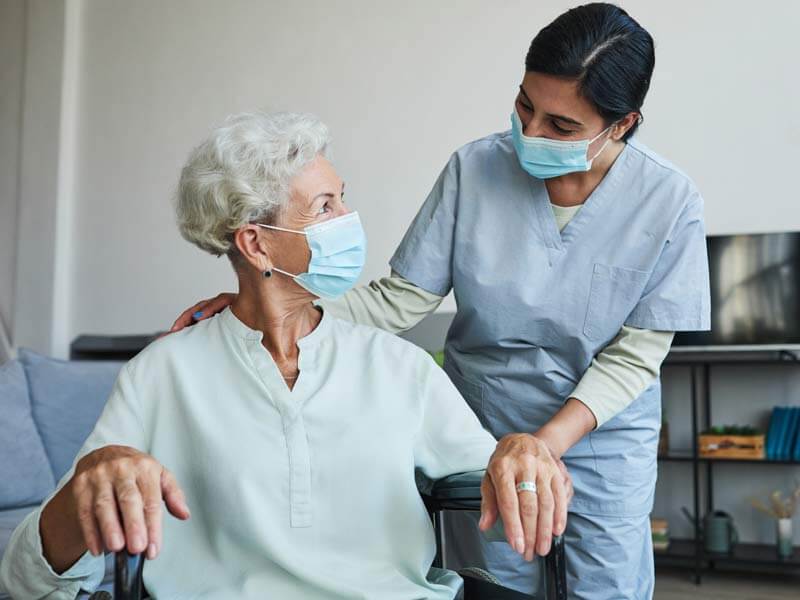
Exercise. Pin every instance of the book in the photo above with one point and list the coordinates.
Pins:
(773, 432)
(791, 433)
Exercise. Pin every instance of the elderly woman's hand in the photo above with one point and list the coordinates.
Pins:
(113, 501)
(530, 519)
(208, 308)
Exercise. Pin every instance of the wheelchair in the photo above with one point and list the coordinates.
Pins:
(461, 492)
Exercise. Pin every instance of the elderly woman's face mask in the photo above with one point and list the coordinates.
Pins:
(338, 251)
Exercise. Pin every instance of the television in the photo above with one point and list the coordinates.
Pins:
(755, 293)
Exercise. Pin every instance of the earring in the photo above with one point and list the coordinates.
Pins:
(268, 273)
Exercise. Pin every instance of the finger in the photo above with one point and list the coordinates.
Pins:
(488, 504)
(560, 496)
(529, 513)
(186, 318)
(173, 496)
(508, 505)
(131, 507)
(150, 488)
(104, 507)
(569, 487)
(544, 525)
(217, 304)
(88, 523)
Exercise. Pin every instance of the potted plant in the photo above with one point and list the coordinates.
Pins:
(782, 510)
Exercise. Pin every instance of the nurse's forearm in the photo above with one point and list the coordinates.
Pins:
(622, 371)
(573, 421)
(392, 303)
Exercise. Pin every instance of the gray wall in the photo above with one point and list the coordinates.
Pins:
(12, 60)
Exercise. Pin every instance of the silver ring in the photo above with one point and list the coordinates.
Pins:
(526, 486)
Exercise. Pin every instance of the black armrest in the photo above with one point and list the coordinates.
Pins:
(462, 491)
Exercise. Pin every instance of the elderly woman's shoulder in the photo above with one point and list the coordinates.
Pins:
(184, 343)
(377, 344)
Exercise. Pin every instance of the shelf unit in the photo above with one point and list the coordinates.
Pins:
(690, 552)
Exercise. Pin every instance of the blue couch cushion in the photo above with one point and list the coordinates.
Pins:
(67, 397)
(25, 474)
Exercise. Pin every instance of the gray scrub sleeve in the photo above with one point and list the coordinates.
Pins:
(425, 256)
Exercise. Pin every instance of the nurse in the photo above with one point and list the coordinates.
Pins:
(574, 253)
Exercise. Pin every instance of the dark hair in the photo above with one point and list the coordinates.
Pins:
(609, 54)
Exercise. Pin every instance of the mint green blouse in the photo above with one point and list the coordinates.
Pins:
(303, 494)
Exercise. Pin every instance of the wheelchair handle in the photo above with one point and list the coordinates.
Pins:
(128, 576)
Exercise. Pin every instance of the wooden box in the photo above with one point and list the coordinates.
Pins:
(731, 446)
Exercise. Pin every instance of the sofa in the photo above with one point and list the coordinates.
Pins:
(48, 407)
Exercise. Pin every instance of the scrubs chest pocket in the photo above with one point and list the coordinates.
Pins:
(614, 293)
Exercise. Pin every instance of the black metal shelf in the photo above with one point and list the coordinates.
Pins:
(688, 456)
(741, 554)
(691, 552)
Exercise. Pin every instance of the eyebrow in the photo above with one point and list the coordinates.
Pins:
(326, 194)
(551, 115)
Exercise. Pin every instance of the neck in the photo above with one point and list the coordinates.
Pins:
(283, 314)
(574, 188)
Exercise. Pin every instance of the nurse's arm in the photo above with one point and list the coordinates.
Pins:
(392, 303)
(617, 376)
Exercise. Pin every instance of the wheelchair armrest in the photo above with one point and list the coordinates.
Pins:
(461, 491)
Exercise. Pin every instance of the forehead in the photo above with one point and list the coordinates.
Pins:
(558, 95)
(317, 177)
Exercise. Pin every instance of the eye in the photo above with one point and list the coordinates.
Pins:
(323, 209)
(561, 130)
(524, 106)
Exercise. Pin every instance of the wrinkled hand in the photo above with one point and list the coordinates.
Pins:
(118, 492)
(530, 519)
(208, 307)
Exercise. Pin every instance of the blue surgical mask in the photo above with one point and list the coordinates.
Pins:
(338, 250)
(545, 158)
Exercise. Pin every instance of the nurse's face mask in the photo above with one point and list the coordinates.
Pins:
(545, 158)
(338, 251)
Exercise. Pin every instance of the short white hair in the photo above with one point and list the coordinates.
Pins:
(241, 173)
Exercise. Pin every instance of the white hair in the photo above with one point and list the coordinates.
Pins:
(241, 173)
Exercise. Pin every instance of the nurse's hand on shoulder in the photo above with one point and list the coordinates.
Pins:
(202, 310)
(530, 518)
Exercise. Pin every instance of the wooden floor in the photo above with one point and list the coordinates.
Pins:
(679, 585)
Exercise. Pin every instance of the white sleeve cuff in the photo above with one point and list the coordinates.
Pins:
(25, 573)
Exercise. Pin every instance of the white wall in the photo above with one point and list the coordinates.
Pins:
(401, 85)
(401, 88)
(12, 61)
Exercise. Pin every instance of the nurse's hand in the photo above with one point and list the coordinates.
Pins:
(530, 519)
(208, 308)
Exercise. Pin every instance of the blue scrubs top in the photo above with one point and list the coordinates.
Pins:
(535, 305)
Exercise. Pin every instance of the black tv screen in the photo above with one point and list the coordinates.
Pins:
(755, 291)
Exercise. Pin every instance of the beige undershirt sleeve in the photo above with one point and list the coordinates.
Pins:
(392, 303)
(617, 376)
(622, 371)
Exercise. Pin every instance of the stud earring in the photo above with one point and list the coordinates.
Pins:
(268, 273)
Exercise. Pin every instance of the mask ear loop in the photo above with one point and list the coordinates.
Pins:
(603, 147)
(282, 272)
(280, 229)
(276, 269)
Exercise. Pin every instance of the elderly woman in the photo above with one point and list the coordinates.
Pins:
(293, 436)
